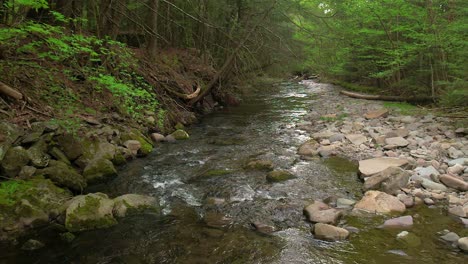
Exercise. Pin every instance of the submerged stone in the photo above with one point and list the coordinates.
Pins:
(329, 232)
(279, 176)
(133, 203)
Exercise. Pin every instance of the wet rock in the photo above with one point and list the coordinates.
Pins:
(376, 165)
(32, 244)
(397, 141)
(156, 137)
(279, 176)
(64, 175)
(376, 114)
(329, 232)
(379, 202)
(217, 220)
(399, 222)
(215, 201)
(99, 170)
(15, 158)
(463, 243)
(88, 212)
(180, 134)
(309, 148)
(454, 182)
(31, 137)
(259, 165)
(450, 237)
(133, 203)
(133, 145)
(391, 180)
(356, 139)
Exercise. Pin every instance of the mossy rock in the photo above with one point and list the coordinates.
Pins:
(38, 154)
(133, 204)
(279, 176)
(180, 134)
(64, 175)
(14, 160)
(179, 126)
(88, 212)
(25, 204)
(9, 133)
(99, 170)
(71, 145)
(59, 155)
(266, 165)
(95, 149)
(146, 145)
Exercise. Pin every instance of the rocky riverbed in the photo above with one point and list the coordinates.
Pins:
(404, 161)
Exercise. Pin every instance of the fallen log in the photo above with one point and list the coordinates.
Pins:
(421, 99)
(8, 91)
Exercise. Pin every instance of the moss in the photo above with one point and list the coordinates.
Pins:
(180, 134)
(402, 108)
(146, 145)
(99, 170)
(9, 191)
(259, 165)
(85, 216)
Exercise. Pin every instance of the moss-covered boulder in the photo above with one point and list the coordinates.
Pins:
(71, 145)
(134, 203)
(8, 134)
(30, 203)
(59, 155)
(134, 134)
(266, 165)
(15, 158)
(91, 211)
(180, 134)
(38, 154)
(95, 149)
(99, 170)
(279, 176)
(63, 175)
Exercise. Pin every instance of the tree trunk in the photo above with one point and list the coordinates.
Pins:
(153, 22)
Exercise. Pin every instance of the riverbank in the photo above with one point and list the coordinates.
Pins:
(407, 158)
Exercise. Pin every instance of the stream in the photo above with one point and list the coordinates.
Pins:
(210, 202)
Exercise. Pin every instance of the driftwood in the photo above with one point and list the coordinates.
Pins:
(8, 91)
(387, 97)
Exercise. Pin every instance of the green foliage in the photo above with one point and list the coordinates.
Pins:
(70, 124)
(402, 107)
(34, 4)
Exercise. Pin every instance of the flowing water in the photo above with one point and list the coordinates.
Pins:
(209, 201)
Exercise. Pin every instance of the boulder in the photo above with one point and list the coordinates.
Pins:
(397, 141)
(308, 148)
(279, 176)
(463, 244)
(399, 222)
(133, 146)
(59, 155)
(63, 175)
(319, 212)
(134, 134)
(356, 139)
(180, 134)
(38, 154)
(133, 203)
(156, 137)
(391, 180)
(71, 145)
(88, 212)
(379, 202)
(329, 232)
(15, 158)
(94, 150)
(376, 114)
(99, 170)
(454, 182)
(376, 165)
(9, 133)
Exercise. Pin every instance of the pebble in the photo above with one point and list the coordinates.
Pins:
(429, 201)
(450, 237)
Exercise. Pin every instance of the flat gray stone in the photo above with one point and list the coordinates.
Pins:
(397, 141)
(426, 172)
(461, 161)
(356, 139)
(399, 222)
(450, 237)
(376, 165)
